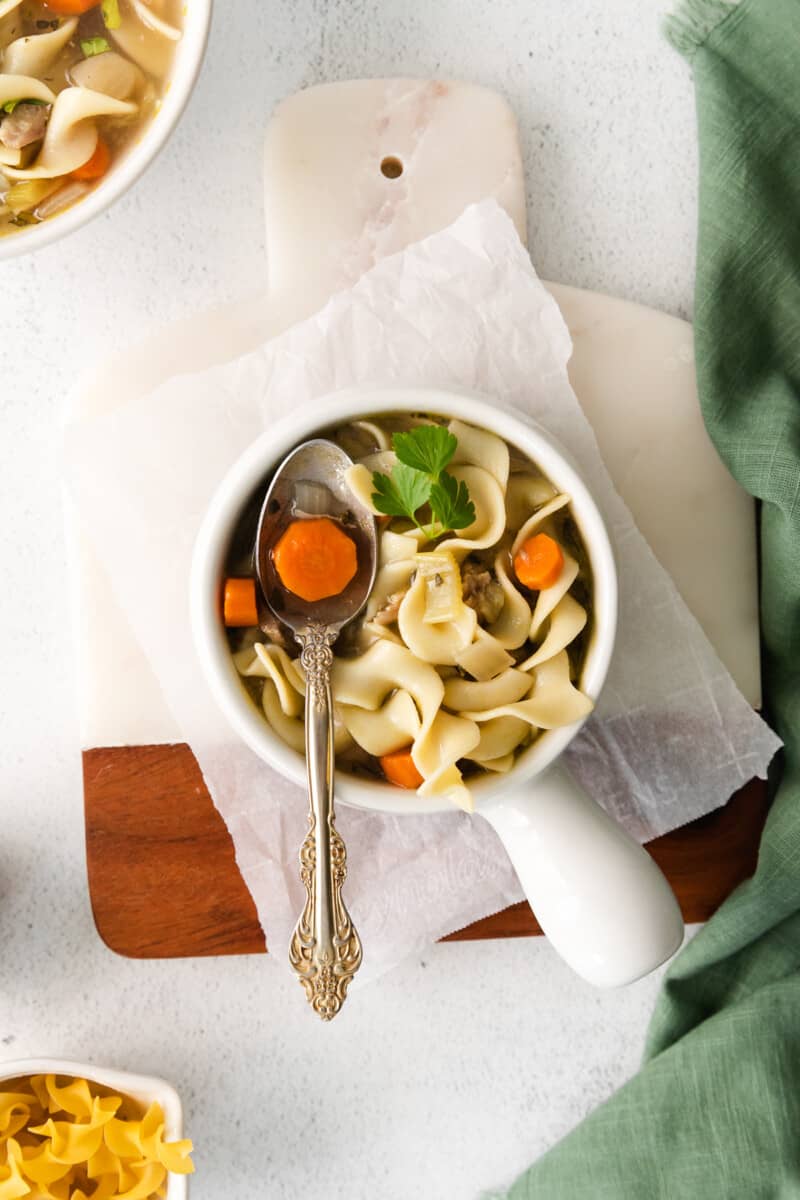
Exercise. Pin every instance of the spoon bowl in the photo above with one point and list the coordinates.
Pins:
(310, 482)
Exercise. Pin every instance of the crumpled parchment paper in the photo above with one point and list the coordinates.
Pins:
(672, 738)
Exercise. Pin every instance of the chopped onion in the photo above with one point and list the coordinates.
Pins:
(25, 195)
(109, 73)
(310, 498)
(61, 199)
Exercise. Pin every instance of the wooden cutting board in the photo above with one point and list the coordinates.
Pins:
(164, 884)
(162, 874)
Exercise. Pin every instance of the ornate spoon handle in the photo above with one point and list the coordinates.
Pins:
(325, 950)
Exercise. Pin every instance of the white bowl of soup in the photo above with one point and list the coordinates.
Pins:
(473, 665)
(89, 93)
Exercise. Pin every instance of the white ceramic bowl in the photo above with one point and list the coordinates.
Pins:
(142, 1088)
(596, 893)
(188, 59)
(256, 465)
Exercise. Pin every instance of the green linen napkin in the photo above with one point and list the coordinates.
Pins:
(715, 1110)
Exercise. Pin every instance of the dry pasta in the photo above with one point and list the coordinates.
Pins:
(64, 1138)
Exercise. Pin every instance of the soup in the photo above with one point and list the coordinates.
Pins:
(474, 636)
(78, 81)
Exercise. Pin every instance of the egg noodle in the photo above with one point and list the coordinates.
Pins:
(457, 673)
(76, 1141)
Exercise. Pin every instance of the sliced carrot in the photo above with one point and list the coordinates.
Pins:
(538, 562)
(70, 8)
(239, 605)
(315, 558)
(400, 769)
(96, 166)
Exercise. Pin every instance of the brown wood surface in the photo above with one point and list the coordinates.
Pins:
(164, 883)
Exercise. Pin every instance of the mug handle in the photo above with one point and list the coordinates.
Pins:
(599, 897)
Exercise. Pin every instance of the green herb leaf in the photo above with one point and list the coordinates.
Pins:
(419, 478)
(427, 448)
(95, 45)
(401, 493)
(110, 11)
(450, 502)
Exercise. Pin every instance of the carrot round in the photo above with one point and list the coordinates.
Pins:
(538, 562)
(70, 8)
(239, 605)
(315, 558)
(400, 769)
(96, 166)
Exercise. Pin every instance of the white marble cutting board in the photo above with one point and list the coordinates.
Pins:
(331, 212)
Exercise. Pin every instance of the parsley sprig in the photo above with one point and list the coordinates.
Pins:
(419, 478)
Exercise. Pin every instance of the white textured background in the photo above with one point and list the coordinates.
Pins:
(451, 1074)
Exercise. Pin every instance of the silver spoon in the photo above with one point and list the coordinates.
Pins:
(325, 950)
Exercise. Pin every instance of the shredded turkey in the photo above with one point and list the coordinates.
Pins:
(388, 614)
(276, 632)
(25, 125)
(481, 591)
